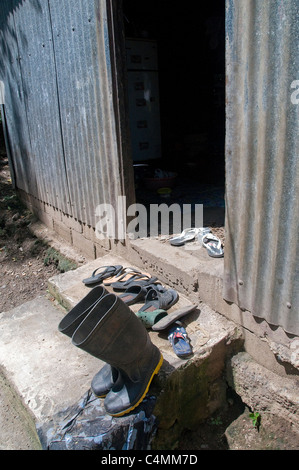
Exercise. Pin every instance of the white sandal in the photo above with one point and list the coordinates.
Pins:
(202, 232)
(187, 235)
(213, 245)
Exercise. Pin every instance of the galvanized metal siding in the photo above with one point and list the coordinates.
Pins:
(15, 98)
(31, 106)
(61, 123)
(38, 72)
(82, 55)
(262, 159)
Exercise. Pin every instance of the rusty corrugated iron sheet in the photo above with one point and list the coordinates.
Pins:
(56, 67)
(262, 159)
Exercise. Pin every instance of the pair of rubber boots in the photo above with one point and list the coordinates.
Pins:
(105, 327)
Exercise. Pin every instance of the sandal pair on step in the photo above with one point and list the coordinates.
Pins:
(212, 244)
(118, 277)
(158, 299)
(153, 314)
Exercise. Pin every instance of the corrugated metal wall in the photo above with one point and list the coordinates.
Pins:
(59, 106)
(262, 159)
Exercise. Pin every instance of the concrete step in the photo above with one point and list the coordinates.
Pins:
(190, 391)
(45, 383)
(52, 377)
(187, 390)
(264, 391)
(187, 268)
(45, 369)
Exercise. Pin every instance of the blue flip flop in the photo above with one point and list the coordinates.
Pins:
(179, 340)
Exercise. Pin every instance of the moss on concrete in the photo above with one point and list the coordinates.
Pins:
(183, 403)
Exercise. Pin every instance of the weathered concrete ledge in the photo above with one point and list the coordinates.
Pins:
(263, 391)
(47, 372)
(51, 376)
(187, 268)
(199, 279)
(18, 432)
(198, 276)
(196, 384)
(187, 391)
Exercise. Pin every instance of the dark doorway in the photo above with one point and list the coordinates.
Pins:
(190, 40)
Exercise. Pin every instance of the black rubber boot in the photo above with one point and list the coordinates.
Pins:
(77, 314)
(104, 380)
(106, 377)
(112, 332)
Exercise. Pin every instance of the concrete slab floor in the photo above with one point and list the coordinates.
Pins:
(46, 370)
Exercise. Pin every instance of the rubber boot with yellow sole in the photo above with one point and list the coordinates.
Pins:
(112, 332)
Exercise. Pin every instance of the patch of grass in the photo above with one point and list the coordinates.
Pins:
(11, 202)
(256, 419)
(62, 263)
(216, 421)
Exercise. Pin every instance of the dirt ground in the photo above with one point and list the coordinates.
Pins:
(232, 428)
(26, 263)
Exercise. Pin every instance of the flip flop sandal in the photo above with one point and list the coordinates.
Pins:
(149, 318)
(97, 277)
(179, 340)
(133, 294)
(156, 299)
(187, 235)
(213, 246)
(202, 232)
(172, 317)
(124, 274)
(137, 279)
